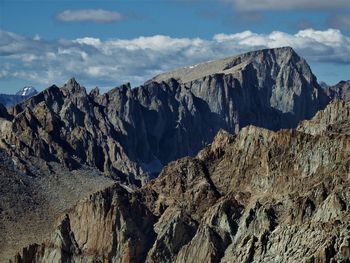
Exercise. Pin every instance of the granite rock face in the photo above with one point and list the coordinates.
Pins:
(130, 134)
(258, 196)
(272, 88)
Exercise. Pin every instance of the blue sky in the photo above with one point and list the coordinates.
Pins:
(106, 43)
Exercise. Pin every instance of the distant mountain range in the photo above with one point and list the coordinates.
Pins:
(9, 100)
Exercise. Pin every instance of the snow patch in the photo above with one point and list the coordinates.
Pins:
(26, 91)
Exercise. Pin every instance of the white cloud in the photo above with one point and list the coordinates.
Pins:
(265, 5)
(116, 61)
(92, 15)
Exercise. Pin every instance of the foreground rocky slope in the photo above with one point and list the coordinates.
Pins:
(31, 200)
(130, 134)
(258, 196)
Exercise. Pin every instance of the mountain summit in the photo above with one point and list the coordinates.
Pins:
(27, 91)
(229, 65)
(9, 100)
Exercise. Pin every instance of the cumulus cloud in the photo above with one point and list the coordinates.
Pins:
(274, 5)
(115, 61)
(90, 15)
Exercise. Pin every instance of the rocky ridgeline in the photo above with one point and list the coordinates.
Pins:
(130, 134)
(340, 91)
(251, 195)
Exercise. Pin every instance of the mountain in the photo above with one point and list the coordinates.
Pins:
(27, 91)
(258, 196)
(9, 100)
(77, 186)
(131, 134)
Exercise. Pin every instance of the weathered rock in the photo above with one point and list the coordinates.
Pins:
(335, 118)
(258, 196)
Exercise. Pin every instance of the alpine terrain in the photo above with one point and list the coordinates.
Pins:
(244, 159)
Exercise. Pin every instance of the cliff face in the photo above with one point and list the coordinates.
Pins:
(272, 88)
(130, 134)
(258, 196)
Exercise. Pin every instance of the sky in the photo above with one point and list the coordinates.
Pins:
(107, 43)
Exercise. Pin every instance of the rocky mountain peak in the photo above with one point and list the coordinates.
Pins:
(73, 87)
(95, 92)
(27, 91)
(245, 198)
(281, 56)
(9, 100)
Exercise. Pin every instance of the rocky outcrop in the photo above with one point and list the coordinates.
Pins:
(340, 91)
(333, 119)
(258, 196)
(66, 126)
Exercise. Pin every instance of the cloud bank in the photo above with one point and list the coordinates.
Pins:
(115, 61)
(89, 15)
(278, 5)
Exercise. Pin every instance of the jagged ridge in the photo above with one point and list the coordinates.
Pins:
(128, 133)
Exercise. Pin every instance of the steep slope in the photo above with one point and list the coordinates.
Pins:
(258, 196)
(34, 193)
(271, 88)
(333, 119)
(130, 134)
